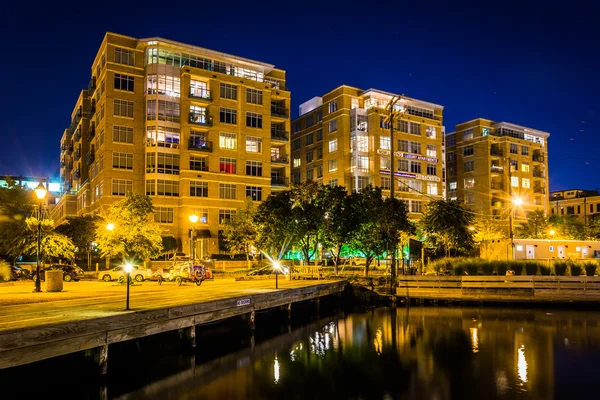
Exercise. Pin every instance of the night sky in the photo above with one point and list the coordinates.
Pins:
(533, 65)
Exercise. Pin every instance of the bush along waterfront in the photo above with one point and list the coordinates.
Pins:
(477, 266)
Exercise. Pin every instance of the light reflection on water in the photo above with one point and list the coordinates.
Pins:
(432, 353)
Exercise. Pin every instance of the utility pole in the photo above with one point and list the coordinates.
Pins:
(390, 120)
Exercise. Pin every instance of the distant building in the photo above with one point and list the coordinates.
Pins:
(584, 204)
(530, 249)
(343, 138)
(489, 163)
(31, 182)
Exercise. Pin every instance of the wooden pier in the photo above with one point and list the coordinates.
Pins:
(528, 289)
(35, 332)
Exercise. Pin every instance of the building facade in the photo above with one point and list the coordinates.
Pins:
(343, 138)
(584, 204)
(197, 130)
(490, 164)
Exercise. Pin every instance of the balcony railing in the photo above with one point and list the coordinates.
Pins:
(538, 158)
(497, 186)
(203, 168)
(497, 169)
(538, 174)
(167, 145)
(89, 157)
(91, 131)
(202, 94)
(77, 173)
(496, 152)
(91, 108)
(280, 159)
(278, 111)
(69, 165)
(63, 147)
(279, 181)
(77, 154)
(200, 145)
(91, 85)
(282, 136)
(77, 135)
(200, 119)
(539, 190)
(69, 149)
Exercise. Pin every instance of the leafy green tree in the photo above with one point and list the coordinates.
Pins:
(536, 227)
(487, 228)
(16, 204)
(81, 231)
(446, 225)
(593, 229)
(135, 233)
(339, 221)
(275, 224)
(308, 214)
(52, 246)
(169, 244)
(568, 227)
(240, 231)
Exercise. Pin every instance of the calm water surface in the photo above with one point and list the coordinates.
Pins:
(416, 353)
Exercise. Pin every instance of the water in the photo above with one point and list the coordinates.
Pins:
(417, 353)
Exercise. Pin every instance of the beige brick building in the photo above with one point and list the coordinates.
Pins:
(198, 130)
(489, 163)
(343, 138)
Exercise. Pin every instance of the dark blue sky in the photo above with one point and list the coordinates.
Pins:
(523, 62)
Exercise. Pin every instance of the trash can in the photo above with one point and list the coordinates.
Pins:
(54, 280)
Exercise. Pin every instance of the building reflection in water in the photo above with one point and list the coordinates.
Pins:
(413, 353)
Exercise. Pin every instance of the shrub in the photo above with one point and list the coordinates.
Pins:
(590, 268)
(576, 269)
(560, 268)
(531, 268)
(545, 270)
(5, 273)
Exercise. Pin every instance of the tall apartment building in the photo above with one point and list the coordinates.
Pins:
(584, 204)
(343, 138)
(490, 163)
(197, 130)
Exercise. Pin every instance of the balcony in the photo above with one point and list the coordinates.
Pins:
(279, 181)
(75, 121)
(77, 154)
(89, 157)
(91, 86)
(538, 158)
(200, 94)
(538, 174)
(69, 149)
(77, 173)
(539, 190)
(91, 131)
(280, 159)
(497, 186)
(63, 147)
(69, 165)
(91, 108)
(278, 111)
(496, 152)
(200, 145)
(200, 119)
(203, 168)
(279, 135)
(77, 135)
(167, 145)
(497, 169)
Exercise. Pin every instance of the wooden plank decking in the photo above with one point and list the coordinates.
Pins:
(33, 332)
(584, 289)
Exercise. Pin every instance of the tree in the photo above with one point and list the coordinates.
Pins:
(52, 246)
(338, 221)
(593, 231)
(568, 227)
(240, 231)
(446, 225)
(81, 231)
(308, 214)
(537, 226)
(135, 233)
(275, 224)
(169, 244)
(487, 228)
(16, 204)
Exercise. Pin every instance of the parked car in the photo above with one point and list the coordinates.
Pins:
(268, 270)
(139, 274)
(17, 272)
(70, 272)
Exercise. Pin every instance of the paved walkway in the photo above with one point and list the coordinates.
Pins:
(20, 308)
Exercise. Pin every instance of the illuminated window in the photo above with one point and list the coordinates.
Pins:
(431, 132)
(514, 181)
(199, 89)
(452, 185)
(431, 150)
(384, 143)
(525, 184)
(228, 141)
(333, 145)
(227, 165)
(525, 167)
(468, 134)
(469, 183)
(297, 162)
(333, 106)
(332, 165)
(253, 144)
(432, 188)
(384, 162)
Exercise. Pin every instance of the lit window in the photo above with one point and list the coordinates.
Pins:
(431, 150)
(384, 162)
(514, 181)
(228, 141)
(253, 144)
(384, 143)
(519, 247)
(468, 134)
(297, 162)
(432, 188)
(525, 183)
(469, 183)
(332, 165)
(333, 145)
(452, 185)
(525, 167)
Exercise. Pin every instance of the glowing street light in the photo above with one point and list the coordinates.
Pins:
(517, 201)
(128, 268)
(552, 232)
(110, 226)
(40, 192)
(472, 228)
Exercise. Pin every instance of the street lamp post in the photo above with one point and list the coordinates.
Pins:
(193, 220)
(40, 192)
(128, 268)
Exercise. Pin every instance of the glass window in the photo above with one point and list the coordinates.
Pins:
(468, 151)
(198, 163)
(227, 191)
(124, 56)
(403, 146)
(227, 165)
(297, 162)
(227, 141)
(432, 169)
(163, 215)
(414, 147)
(123, 82)
(254, 192)
(254, 96)
(199, 89)
(332, 165)
(514, 148)
(386, 182)
(333, 145)
(309, 139)
(168, 163)
(309, 156)
(451, 140)
(319, 135)
(525, 167)
(253, 144)
(123, 108)
(415, 167)
(296, 144)
(122, 134)
(228, 91)
(525, 183)
(469, 183)
(122, 160)
(431, 132)
(384, 162)
(225, 216)
(333, 106)
(468, 134)
(470, 198)
(319, 153)
(121, 187)
(199, 115)
(309, 121)
(333, 126)
(452, 185)
(414, 128)
(524, 150)
(310, 174)
(333, 182)
(431, 150)
(514, 181)
(403, 165)
(228, 115)
(432, 188)
(253, 120)
(167, 188)
(384, 142)
(469, 166)
(254, 168)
